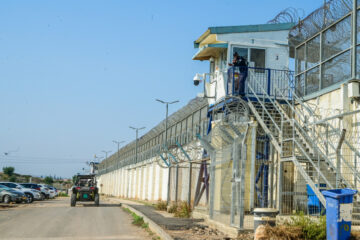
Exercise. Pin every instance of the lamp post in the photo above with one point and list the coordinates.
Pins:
(136, 142)
(106, 153)
(166, 128)
(118, 145)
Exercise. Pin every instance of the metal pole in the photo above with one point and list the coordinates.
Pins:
(280, 186)
(176, 181)
(354, 41)
(252, 168)
(106, 154)
(169, 173)
(190, 179)
(166, 128)
(271, 186)
(338, 160)
(235, 175)
(136, 141)
(136, 146)
(118, 146)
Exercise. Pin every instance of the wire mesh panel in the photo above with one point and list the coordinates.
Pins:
(222, 196)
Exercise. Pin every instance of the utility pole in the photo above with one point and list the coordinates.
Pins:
(106, 153)
(136, 142)
(118, 146)
(166, 128)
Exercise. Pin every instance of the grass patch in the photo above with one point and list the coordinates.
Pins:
(161, 206)
(281, 232)
(312, 228)
(183, 210)
(173, 208)
(139, 221)
(127, 210)
(62, 194)
(299, 227)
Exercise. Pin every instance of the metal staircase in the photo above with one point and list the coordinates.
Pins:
(286, 121)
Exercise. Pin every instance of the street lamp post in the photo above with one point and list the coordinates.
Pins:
(136, 142)
(118, 145)
(106, 153)
(166, 128)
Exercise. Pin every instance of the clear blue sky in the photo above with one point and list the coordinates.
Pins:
(75, 74)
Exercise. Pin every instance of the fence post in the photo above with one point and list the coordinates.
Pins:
(269, 81)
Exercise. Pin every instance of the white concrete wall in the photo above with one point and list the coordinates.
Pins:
(149, 181)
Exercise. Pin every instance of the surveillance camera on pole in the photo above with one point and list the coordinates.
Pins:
(198, 78)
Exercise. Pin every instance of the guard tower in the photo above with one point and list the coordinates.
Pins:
(269, 144)
(246, 125)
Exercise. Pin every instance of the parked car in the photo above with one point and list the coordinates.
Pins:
(31, 194)
(8, 195)
(44, 192)
(53, 191)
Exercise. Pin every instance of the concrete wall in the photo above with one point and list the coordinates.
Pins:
(148, 180)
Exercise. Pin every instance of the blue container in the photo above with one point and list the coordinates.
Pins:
(338, 213)
(315, 207)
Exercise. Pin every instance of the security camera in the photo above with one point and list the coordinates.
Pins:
(197, 79)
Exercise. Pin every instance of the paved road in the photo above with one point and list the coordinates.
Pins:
(55, 219)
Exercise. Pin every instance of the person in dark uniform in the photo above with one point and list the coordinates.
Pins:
(233, 74)
(237, 75)
(243, 68)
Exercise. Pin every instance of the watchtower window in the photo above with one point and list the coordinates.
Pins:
(257, 56)
(242, 52)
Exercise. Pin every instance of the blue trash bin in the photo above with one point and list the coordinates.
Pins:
(314, 205)
(338, 213)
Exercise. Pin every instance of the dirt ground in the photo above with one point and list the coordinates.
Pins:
(203, 232)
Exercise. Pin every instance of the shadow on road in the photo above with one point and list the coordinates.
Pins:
(101, 205)
(4, 206)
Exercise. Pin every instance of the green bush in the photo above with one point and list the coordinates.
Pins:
(62, 194)
(12, 179)
(173, 208)
(161, 206)
(314, 229)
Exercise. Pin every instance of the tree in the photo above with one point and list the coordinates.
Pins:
(48, 180)
(74, 179)
(9, 171)
(12, 179)
(27, 178)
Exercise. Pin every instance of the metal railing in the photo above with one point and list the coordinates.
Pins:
(276, 133)
(259, 80)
